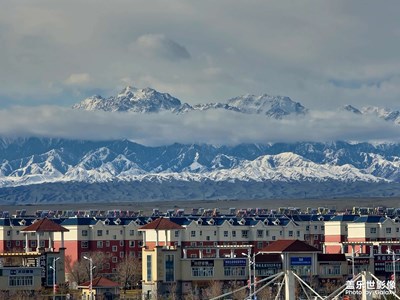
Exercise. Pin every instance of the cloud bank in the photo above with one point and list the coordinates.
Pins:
(211, 127)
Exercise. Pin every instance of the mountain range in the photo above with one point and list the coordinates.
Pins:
(36, 170)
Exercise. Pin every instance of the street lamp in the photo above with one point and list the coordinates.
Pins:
(54, 276)
(394, 266)
(248, 255)
(252, 261)
(91, 276)
(352, 260)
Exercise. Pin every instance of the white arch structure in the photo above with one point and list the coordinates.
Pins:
(288, 279)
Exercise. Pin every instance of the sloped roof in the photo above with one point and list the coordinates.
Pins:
(289, 246)
(161, 224)
(369, 219)
(45, 225)
(100, 282)
(345, 218)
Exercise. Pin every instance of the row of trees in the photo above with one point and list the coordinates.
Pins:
(128, 272)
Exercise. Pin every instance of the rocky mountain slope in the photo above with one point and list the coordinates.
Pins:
(41, 163)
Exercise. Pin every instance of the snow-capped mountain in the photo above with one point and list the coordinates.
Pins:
(133, 99)
(379, 112)
(272, 106)
(148, 100)
(35, 166)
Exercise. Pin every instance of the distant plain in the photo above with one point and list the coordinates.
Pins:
(339, 204)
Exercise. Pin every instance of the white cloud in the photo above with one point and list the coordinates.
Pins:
(160, 45)
(211, 127)
(78, 79)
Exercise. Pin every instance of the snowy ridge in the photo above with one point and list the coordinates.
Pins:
(43, 170)
(127, 161)
(148, 100)
(132, 99)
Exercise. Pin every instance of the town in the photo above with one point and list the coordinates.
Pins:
(197, 254)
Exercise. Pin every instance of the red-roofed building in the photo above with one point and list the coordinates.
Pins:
(102, 288)
(295, 255)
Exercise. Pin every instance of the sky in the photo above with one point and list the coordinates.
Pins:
(323, 54)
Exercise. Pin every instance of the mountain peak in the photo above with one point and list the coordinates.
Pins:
(127, 91)
(351, 108)
(132, 99)
(273, 106)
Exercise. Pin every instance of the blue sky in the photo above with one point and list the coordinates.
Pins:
(321, 53)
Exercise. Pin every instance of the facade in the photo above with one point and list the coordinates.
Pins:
(369, 242)
(33, 268)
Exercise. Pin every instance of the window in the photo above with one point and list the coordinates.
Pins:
(148, 267)
(226, 234)
(373, 230)
(215, 233)
(234, 233)
(20, 281)
(121, 243)
(131, 244)
(388, 230)
(33, 244)
(208, 250)
(114, 237)
(234, 271)
(308, 228)
(9, 233)
(201, 232)
(322, 227)
(259, 245)
(280, 232)
(42, 244)
(106, 266)
(132, 232)
(17, 243)
(99, 232)
(107, 232)
(114, 248)
(259, 233)
(176, 233)
(193, 233)
(169, 268)
(84, 244)
(298, 233)
(207, 237)
(315, 227)
(266, 232)
(131, 254)
(114, 259)
(203, 271)
(315, 236)
(290, 232)
(121, 254)
(84, 233)
(99, 244)
(245, 233)
(107, 243)
(273, 237)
